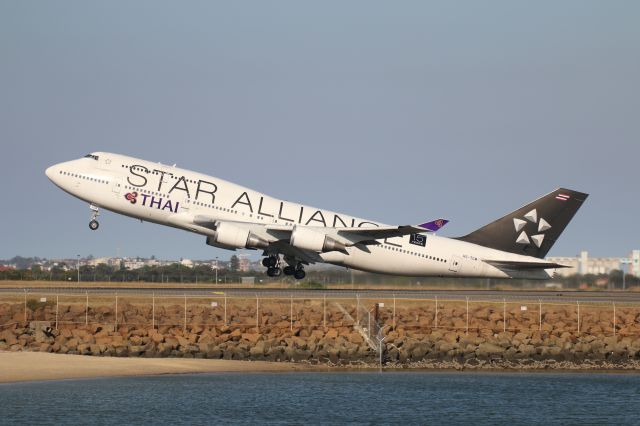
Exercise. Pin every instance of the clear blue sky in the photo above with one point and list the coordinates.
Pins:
(393, 111)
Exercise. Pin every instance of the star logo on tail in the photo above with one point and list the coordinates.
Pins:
(541, 225)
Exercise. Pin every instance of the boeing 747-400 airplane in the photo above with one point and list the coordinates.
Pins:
(292, 235)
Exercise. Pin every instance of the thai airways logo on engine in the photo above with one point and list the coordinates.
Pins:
(131, 197)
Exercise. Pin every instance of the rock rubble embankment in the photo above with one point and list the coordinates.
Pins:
(316, 336)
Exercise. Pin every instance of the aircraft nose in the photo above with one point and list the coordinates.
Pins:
(51, 172)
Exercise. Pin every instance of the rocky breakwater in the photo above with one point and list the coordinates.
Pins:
(413, 341)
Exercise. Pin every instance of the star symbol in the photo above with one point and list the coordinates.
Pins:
(531, 217)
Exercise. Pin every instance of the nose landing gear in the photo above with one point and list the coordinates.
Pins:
(93, 224)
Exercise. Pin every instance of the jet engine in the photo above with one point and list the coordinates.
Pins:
(309, 239)
(230, 236)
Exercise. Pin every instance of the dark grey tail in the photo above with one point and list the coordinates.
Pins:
(533, 229)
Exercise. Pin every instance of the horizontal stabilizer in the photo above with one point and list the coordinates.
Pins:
(517, 265)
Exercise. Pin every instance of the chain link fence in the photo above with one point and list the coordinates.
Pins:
(371, 316)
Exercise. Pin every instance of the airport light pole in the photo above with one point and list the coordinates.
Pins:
(78, 256)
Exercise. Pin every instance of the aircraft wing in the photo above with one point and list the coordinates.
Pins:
(380, 233)
(278, 237)
(352, 235)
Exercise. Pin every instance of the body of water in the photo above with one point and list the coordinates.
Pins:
(329, 398)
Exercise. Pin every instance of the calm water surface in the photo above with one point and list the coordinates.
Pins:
(329, 398)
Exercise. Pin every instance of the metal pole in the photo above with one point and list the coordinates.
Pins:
(25, 305)
(578, 303)
(324, 311)
(614, 318)
(369, 324)
(357, 307)
(394, 311)
(57, 304)
(436, 318)
(185, 312)
(86, 310)
(225, 309)
(257, 313)
(153, 310)
(540, 315)
(467, 332)
(504, 315)
(291, 314)
(116, 326)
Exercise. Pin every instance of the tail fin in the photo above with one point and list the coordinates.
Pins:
(533, 229)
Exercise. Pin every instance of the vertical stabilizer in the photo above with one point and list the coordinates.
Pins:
(533, 229)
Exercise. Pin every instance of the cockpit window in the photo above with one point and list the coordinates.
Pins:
(95, 157)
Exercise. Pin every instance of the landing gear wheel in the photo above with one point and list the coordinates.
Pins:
(95, 212)
(299, 274)
(274, 272)
(288, 270)
(270, 262)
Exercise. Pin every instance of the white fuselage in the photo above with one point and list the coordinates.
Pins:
(172, 196)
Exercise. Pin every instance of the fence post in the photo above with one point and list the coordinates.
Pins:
(116, 317)
(86, 310)
(394, 311)
(291, 314)
(25, 305)
(257, 313)
(467, 332)
(504, 315)
(540, 315)
(357, 309)
(153, 310)
(324, 311)
(225, 308)
(614, 318)
(436, 318)
(578, 303)
(185, 312)
(57, 304)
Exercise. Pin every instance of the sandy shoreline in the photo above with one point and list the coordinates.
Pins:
(32, 366)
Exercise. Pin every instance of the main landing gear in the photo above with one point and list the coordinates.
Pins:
(297, 271)
(272, 263)
(93, 225)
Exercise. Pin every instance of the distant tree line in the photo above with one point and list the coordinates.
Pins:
(178, 273)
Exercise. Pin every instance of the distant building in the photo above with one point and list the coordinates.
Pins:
(634, 263)
(133, 263)
(187, 262)
(244, 263)
(583, 264)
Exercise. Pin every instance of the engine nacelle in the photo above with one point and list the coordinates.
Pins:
(309, 239)
(227, 235)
